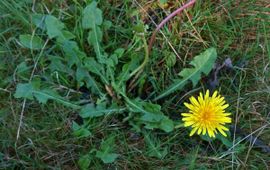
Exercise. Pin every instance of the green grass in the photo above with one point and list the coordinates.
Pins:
(48, 138)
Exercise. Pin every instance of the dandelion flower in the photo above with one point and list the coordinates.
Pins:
(207, 115)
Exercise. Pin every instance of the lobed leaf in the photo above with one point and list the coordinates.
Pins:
(90, 110)
(106, 151)
(151, 115)
(202, 63)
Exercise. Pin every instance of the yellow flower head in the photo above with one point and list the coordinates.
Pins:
(207, 114)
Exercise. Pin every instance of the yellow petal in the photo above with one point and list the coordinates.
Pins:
(214, 94)
(194, 101)
(193, 131)
(191, 107)
(186, 124)
(206, 95)
(222, 132)
(186, 114)
(199, 130)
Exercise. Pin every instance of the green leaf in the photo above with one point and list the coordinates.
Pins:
(202, 63)
(170, 59)
(106, 151)
(84, 161)
(24, 91)
(107, 24)
(58, 64)
(80, 131)
(54, 26)
(107, 157)
(31, 90)
(31, 42)
(94, 39)
(163, 1)
(151, 115)
(22, 67)
(44, 95)
(94, 67)
(68, 35)
(23, 71)
(91, 110)
(167, 125)
(82, 75)
(126, 70)
(73, 55)
(39, 20)
(154, 148)
(92, 16)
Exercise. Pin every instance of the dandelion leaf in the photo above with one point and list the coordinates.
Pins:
(202, 64)
(150, 115)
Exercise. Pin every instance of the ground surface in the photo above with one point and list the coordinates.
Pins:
(47, 77)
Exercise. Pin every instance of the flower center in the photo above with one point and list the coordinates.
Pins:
(206, 115)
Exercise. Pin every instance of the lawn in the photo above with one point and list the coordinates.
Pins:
(105, 84)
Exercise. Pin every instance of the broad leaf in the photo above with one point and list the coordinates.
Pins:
(39, 20)
(24, 91)
(84, 161)
(106, 151)
(151, 115)
(54, 26)
(31, 42)
(94, 39)
(59, 64)
(202, 63)
(83, 76)
(92, 16)
(94, 67)
(73, 55)
(80, 131)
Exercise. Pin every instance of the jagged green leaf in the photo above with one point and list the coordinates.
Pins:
(80, 131)
(106, 151)
(154, 148)
(151, 115)
(83, 77)
(32, 89)
(44, 95)
(73, 54)
(202, 63)
(24, 90)
(96, 68)
(91, 110)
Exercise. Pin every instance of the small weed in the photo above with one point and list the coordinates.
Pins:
(80, 88)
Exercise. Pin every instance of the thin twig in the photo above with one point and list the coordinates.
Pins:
(5, 90)
(153, 37)
(167, 40)
(234, 145)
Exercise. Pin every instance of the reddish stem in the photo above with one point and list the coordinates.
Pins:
(153, 37)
